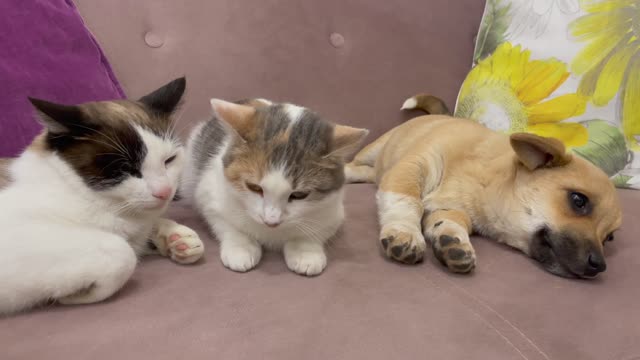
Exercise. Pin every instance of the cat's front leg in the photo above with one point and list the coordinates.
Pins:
(176, 241)
(305, 257)
(238, 251)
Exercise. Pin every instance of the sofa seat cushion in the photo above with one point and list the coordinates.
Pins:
(362, 307)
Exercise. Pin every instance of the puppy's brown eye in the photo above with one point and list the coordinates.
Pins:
(254, 188)
(298, 195)
(579, 203)
(610, 237)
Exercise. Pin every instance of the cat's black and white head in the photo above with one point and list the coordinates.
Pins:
(284, 161)
(123, 150)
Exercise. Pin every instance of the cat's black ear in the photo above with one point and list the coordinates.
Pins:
(346, 140)
(237, 118)
(165, 100)
(57, 118)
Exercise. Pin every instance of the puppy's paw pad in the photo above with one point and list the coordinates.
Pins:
(184, 245)
(462, 268)
(240, 259)
(455, 254)
(403, 246)
(308, 263)
(445, 241)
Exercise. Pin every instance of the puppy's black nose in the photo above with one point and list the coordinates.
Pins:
(595, 264)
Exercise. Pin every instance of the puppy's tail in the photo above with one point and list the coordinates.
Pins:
(429, 104)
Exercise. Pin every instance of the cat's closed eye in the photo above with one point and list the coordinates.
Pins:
(298, 195)
(254, 188)
(129, 168)
(169, 160)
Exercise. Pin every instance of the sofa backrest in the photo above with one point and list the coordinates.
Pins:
(353, 61)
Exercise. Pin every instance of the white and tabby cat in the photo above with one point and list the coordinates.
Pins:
(272, 175)
(85, 198)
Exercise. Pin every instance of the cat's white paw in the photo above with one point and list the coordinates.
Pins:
(305, 260)
(183, 245)
(83, 296)
(240, 258)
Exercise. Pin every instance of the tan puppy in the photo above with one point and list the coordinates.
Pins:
(445, 178)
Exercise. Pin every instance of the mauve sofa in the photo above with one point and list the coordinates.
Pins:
(354, 61)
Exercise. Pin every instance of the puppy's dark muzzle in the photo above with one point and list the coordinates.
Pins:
(561, 254)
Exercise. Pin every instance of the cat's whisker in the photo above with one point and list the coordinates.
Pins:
(172, 128)
(121, 209)
(310, 234)
(115, 162)
(312, 221)
(110, 153)
(127, 209)
(105, 144)
(179, 125)
(118, 142)
(176, 124)
(112, 139)
(309, 231)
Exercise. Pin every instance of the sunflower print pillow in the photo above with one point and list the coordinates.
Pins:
(568, 69)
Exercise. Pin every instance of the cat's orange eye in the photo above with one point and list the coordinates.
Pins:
(254, 188)
(298, 195)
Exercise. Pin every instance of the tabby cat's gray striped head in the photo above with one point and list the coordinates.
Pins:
(283, 158)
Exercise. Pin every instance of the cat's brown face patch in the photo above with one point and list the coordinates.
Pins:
(245, 164)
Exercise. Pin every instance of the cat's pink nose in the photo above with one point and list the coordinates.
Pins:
(162, 193)
(272, 223)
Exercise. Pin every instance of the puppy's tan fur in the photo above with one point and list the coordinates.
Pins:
(443, 178)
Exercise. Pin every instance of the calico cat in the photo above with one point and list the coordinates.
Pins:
(272, 175)
(85, 199)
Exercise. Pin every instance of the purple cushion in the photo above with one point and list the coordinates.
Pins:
(46, 52)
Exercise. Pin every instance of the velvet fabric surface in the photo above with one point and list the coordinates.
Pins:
(46, 52)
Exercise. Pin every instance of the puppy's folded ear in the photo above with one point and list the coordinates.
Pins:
(535, 151)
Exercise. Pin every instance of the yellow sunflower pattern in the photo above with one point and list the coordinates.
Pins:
(590, 100)
(509, 86)
(610, 61)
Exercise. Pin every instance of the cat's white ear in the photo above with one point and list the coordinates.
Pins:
(347, 140)
(237, 117)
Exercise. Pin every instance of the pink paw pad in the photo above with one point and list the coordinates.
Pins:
(174, 237)
(182, 247)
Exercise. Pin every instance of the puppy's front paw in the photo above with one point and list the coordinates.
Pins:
(182, 244)
(402, 246)
(455, 253)
(305, 258)
(240, 258)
